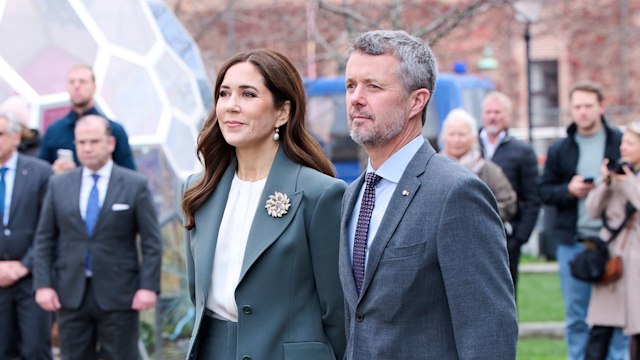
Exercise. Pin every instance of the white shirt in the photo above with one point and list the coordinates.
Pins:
(87, 184)
(9, 180)
(242, 204)
(488, 146)
(390, 171)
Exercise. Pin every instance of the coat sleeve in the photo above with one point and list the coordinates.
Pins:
(499, 184)
(597, 200)
(630, 187)
(553, 189)
(45, 241)
(529, 196)
(151, 241)
(122, 154)
(324, 243)
(472, 255)
(44, 174)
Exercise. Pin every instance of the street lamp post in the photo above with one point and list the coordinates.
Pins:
(527, 44)
(528, 12)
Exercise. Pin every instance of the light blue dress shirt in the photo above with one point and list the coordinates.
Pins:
(390, 171)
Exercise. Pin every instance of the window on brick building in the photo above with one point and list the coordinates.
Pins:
(544, 93)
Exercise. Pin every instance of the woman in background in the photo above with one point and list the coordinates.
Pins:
(263, 222)
(460, 143)
(617, 305)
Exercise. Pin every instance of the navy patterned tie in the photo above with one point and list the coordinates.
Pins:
(362, 228)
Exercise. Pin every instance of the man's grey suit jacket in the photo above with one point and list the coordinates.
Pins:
(62, 241)
(437, 284)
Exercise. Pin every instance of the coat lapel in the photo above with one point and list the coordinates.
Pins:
(395, 210)
(72, 192)
(20, 183)
(350, 198)
(115, 187)
(208, 219)
(265, 229)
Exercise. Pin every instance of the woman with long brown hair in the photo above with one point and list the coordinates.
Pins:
(263, 222)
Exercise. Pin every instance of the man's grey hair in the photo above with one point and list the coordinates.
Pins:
(418, 66)
(13, 124)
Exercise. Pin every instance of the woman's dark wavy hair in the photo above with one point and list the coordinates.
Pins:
(284, 83)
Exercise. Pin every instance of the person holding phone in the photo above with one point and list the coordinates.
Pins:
(615, 306)
(570, 173)
(81, 86)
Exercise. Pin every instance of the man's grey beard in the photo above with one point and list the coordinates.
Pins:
(381, 134)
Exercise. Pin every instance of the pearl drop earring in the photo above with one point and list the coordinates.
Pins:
(276, 135)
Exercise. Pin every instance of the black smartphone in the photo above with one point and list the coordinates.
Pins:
(588, 179)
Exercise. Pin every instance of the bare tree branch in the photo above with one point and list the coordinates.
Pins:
(348, 12)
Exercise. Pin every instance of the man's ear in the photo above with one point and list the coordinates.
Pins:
(419, 99)
(282, 115)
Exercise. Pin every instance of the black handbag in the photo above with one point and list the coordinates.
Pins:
(591, 264)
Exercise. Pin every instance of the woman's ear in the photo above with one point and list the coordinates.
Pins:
(282, 115)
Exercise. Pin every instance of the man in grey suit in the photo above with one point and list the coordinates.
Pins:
(24, 327)
(423, 259)
(88, 266)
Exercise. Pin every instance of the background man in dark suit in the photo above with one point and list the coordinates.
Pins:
(87, 261)
(423, 260)
(23, 182)
(518, 162)
(81, 86)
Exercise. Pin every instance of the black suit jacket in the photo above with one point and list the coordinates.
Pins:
(16, 238)
(119, 270)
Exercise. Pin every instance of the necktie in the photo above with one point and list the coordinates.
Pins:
(362, 228)
(91, 217)
(3, 189)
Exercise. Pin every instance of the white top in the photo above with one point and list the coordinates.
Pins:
(243, 201)
(9, 180)
(488, 146)
(87, 184)
(390, 171)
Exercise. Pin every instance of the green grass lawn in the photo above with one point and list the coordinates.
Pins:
(541, 349)
(539, 298)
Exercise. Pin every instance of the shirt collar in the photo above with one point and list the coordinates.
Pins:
(104, 172)
(12, 163)
(393, 168)
(485, 138)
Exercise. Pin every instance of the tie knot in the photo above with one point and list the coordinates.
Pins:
(95, 177)
(3, 170)
(372, 179)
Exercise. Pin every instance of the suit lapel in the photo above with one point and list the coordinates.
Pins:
(395, 210)
(115, 187)
(350, 198)
(72, 192)
(208, 219)
(265, 229)
(20, 183)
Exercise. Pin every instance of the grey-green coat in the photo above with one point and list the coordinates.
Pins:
(289, 276)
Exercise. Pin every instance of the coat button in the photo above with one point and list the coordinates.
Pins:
(246, 357)
(247, 310)
(359, 316)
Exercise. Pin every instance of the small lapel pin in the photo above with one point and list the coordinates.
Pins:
(405, 192)
(24, 172)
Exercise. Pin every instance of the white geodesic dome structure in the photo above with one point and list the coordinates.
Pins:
(149, 75)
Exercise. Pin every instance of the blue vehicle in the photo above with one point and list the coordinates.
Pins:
(327, 116)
